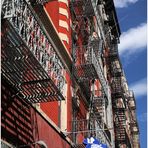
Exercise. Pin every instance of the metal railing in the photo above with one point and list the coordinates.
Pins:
(92, 127)
(88, 65)
(99, 20)
(26, 23)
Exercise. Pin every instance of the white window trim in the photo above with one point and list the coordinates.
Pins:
(63, 24)
(64, 1)
(64, 37)
(63, 12)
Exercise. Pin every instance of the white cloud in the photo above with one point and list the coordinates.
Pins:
(139, 87)
(133, 40)
(123, 3)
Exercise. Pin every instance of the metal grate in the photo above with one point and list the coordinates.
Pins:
(131, 100)
(86, 128)
(116, 85)
(31, 30)
(79, 146)
(88, 65)
(119, 124)
(86, 5)
(23, 71)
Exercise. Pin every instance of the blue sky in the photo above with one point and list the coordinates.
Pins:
(133, 53)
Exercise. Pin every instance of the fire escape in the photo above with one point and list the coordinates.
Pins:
(118, 98)
(133, 121)
(87, 64)
(87, 67)
(30, 63)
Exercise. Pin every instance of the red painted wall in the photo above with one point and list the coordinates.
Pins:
(22, 124)
(64, 30)
(52, 8)
(49, 135)
(51, 110)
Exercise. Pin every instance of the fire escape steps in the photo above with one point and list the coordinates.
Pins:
(118, 97)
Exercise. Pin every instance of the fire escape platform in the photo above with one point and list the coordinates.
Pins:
(79, 146)
(88, 8)
(86, 71)
(23, 71)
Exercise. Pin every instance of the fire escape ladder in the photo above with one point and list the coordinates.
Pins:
(29, 63)
(120, 120)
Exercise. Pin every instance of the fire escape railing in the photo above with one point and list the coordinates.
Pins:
(44, 69)
(94, 69)
(88, 66)
(99, 19)
(118, 97)
(87, 9)
(133, 121)
(41, 2)
(96, 129)
(87, 62)
(131, 100)
(98, 107)
(120, 123)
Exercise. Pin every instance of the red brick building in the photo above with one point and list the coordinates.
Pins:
(62, 79)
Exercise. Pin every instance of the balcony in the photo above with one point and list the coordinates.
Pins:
(85, 66)
(99, 104)
(88, 8)
(113, 53)
(116, 69)
(116, 87)
(113, 21)
(85, 6)
(29, 63)
(119, 125)
(88, 66)
(114, 62)
(120, 136)
(134, 128)
(131, 100)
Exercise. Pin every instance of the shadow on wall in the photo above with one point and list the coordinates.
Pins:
(18, 121)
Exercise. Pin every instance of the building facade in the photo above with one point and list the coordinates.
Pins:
(62, 79)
